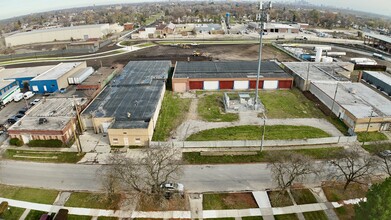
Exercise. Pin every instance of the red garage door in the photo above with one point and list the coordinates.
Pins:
(253, 84)
(284, 84)
(226, 84)
(196, 85)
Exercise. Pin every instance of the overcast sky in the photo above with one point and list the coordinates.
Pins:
(14, 8)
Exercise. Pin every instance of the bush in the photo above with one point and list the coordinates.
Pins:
(16, 142)
(46, 143)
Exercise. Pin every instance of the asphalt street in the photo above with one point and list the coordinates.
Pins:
(86, 177)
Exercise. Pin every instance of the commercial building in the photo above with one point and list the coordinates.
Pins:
(305, 73)
(6, 85)
(236, 75)
(7, 90)
(49, 119)
(83, 32)
(379, 80)
(378, 41)
(55, 78)
(128, 108)
(22, 76)
(357, 105)
(277, 28)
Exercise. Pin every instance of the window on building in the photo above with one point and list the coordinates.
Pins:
(125, 132)
(137, 140)
(115, 140)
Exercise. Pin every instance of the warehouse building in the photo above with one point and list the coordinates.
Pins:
(378, 41)
(55, 78)
(379, 80)
(83, 32)
(305, 73)
(22, 76)
(128, 108)
(6, 85)
(49, 119)
(357, 105)
(8, 89)
(231, 75)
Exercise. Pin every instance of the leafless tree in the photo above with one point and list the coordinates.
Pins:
(352, 167)
(146, 173)
(287, 168)
(110, 182)
(383, 160)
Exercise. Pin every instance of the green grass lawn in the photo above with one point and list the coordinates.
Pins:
(211, 108)
(318, 215)
(79, 217)
(228, 201)
(91, 200)
(107, 218)
(12, 213)
(286, 217)
(375, 148)
(34, 215)
(43, 156)
(44, 196)
(288, 104)
(303, 196)
(279, 199)
(196, 158)
(252, 218)
(371, 136)
(172, 113)
(253, 132)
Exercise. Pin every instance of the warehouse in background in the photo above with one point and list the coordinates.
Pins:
(128, 108)
(379, 80)
(228, 75)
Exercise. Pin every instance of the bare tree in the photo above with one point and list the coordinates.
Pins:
(383, 159)
(288, 168)
(110, 182)
(147, 173)
(352, 167)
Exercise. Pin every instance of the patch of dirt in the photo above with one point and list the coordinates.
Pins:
(334, 191)
(244, 200)
(175, 203)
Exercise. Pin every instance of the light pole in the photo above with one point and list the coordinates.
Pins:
(335, 96)
(366, 132)
(262, 16)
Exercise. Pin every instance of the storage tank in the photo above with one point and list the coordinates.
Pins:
(318, 56)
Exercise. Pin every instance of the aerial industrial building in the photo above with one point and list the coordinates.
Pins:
(380, 80)
(378, 41)
(49, 119)
(23, 75)
(305, 73)
(359, 106)
(231, 75)
(83, 32)
(128, 108)
(55, 78)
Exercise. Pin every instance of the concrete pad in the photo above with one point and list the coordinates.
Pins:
(310, 207)
(284, 210)
(266, 211)
(255, 212)
(262, 199)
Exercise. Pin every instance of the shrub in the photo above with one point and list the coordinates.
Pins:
(16, 142)
(46, 143)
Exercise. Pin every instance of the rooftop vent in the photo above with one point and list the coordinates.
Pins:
(42, 121)
(129, 114)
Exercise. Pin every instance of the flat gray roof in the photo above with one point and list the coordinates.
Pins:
(319, 71)
(228, 69)
(57, 71)
(58, 29)
(379, 36)
(137, 90)
(26, 72)
(381, 76)
(4, 83)
(358, 99)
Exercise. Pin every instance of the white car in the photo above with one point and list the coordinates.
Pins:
(18, 97)
(175, 187)
(35, 102)
(28, 95)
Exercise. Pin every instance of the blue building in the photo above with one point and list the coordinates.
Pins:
(6, 85)
(56, 78)
(22, 76)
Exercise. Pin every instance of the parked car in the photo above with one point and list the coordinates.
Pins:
(385, 153)
(18, 97)
(173, 187)
(23, 111)
(35, 102)
(63, 90)
(301, 38)
(28, 95)
(19, 115)
(12, 120)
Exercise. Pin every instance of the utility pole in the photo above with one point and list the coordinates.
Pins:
(308, 76)
(261, 17)
(369, 124)
(78, 142)
(263, 132)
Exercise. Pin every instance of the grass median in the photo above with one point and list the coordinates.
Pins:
(43, 156)
(253, 132)
(371, 136)
(260, 157)
(44, 196)
(92, 200)
(172, 113)
(228, 201)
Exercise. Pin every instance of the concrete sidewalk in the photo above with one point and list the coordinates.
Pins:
(236, 213)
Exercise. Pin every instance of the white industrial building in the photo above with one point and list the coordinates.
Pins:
(83, 32)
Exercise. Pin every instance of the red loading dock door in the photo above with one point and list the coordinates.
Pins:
(226, 84)
(253, 84)
(284, 84)
(196, 85)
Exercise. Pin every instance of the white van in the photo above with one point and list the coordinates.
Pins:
(18, 97)
(28, 95)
